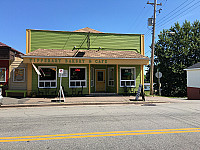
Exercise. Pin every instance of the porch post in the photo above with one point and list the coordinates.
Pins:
(117, 80)
(142, 76)
(29, 78)
(89, 79)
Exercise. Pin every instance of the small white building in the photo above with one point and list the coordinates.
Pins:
(193, 81)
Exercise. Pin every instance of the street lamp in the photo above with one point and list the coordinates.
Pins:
(172, 33)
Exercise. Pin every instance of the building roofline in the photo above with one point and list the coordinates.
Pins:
(82, 32)
(192, 69)
(24, 56)
(4, 45)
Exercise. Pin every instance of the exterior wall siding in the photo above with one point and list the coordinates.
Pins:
(65, 80)
(17, 63)
(67, 40)
(193, 77)
(193, 93)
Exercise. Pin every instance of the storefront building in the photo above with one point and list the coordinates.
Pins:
(8, 57)
(93, 62)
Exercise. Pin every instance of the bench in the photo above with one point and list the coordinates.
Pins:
(15, 91)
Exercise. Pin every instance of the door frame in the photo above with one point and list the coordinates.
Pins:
(96, 78)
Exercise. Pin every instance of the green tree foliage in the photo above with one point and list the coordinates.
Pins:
(173, 53)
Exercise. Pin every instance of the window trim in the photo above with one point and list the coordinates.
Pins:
(14, 74)
(5, 73)
(109, 76)
(128, 80)
(77, 80)
(47, 80)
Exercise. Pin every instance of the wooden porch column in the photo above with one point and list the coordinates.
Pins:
(142, 76)
(117, 80)
(89, 79)
(29, 78)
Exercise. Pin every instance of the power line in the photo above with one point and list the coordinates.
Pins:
(135, 20)
(166, 20)
(172, 11)
(181, 13)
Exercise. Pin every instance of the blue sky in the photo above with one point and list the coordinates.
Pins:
(111, 16)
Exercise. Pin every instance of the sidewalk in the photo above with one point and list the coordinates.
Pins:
(103, 100)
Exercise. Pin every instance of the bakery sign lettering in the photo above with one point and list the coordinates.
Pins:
(68, 61)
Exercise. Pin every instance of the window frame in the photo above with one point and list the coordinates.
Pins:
(14, 75)
(47, 80)
(109, 76)
(5, 73)
(77, 80)
(134, 71)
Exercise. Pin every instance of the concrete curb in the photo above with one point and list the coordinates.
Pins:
(77, 104)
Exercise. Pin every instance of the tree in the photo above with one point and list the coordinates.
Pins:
(173, 53)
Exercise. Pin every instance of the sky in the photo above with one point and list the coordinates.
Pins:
(109, 16)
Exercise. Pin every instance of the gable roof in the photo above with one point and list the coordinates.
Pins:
(87, 29)
(4, 45)
(195, 66)
(86, 53)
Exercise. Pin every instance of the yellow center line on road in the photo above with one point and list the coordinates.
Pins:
(97, 134)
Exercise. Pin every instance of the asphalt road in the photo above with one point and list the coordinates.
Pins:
(164, 126)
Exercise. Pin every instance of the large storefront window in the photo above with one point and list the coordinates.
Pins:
(48, 77)
(18, 74)
(111, 76)
(77, 77)
(2, 74)
(127, 77)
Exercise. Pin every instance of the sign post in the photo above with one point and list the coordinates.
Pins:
(158, 75)
(61, 90)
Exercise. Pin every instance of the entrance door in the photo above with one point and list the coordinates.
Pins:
(100, 81)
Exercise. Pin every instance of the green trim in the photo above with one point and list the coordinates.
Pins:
(15, 91)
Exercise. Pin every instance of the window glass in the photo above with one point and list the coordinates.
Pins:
(77, 77)
(77, 73)
(111, 73)
(19, 75)
(111, 76)
(48, 73)
(2, 74)
(100, 76)
(48, 77)
(127, 74)
(127, 77)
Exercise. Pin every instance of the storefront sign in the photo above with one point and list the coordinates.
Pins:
(85, 61)
(65, 73)
(68, 61)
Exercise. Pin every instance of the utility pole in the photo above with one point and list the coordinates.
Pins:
(153, 46)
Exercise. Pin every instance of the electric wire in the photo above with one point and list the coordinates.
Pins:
(171, 17)
(172, 11)
(135, 20)
(181, 13)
